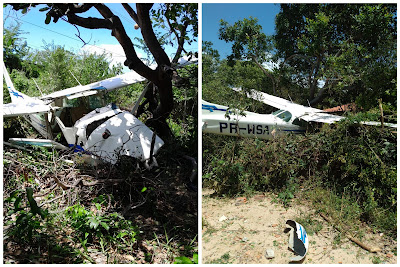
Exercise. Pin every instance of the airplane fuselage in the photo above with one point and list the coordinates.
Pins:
(218, 119)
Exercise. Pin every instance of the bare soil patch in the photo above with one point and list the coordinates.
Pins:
(240, 231)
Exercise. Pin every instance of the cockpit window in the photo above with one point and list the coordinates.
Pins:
(89, 102)
(282, 114)
(96, 101)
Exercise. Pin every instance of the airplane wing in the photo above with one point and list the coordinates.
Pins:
(93, 88)
(308, 114)
(280, 103)
(24, 108)
(107, 85)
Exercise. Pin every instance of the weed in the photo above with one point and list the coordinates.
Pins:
(224, 259)
(312, 226)
(376, 260)
(209, 229)
(101, 229)
(337, 240)
(29, 216)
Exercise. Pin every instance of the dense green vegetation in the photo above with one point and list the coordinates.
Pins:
(60, 209)
(326, 55)
(353, 162)
(56, 211)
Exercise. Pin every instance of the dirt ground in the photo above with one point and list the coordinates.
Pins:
(240, 231)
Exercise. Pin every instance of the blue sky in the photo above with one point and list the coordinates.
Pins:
(64, 34)
(213, 13)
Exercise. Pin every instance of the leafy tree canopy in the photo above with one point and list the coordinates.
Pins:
(328, 54)
(351, 48)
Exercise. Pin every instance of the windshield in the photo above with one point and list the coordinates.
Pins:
(89, 102)
(282, 114)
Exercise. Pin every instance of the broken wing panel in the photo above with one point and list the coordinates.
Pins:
(329, 118)
(321, 117)
(279, 103)
(298, 240)
(37, 142)
(107, 84)
(21, 104)
(308, 114)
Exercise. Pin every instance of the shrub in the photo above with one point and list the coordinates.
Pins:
(356, 160)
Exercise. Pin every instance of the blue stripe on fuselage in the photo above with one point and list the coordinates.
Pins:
(211, 108)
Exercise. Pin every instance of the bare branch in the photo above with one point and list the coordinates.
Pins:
(181, 40)
(131, 13)
(79, 33)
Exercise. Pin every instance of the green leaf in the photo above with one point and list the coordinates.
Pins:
(32, 203)
(143, 189)
(195, 258)
(183, 260)
(105, 226)
(17, 203)
(44, 9)
(94, 223)
(122, 234)
(48, 18)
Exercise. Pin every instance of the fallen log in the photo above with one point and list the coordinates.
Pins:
(350, 237)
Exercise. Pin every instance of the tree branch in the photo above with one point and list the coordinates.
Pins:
(118, 31)
(148, 35)
(181, 40)
(79, 8)
(90, 23)
(131, 13)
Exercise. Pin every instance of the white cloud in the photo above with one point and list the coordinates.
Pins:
(114, 53)
(185, 60)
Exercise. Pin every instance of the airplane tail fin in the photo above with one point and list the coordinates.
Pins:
(15, 95)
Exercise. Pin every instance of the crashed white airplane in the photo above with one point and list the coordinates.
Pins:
(105, 132)
(290, 117)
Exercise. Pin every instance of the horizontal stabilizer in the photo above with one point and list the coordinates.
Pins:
(24, 108)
